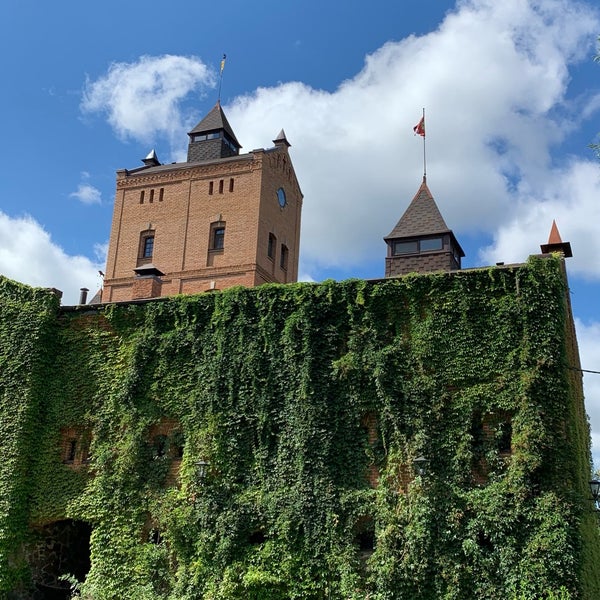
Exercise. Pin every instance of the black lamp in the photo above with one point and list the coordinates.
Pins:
(201, 470)
(595, 489)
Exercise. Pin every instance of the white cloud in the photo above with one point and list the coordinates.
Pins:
(565, 195)
(493, 78)
(28, 255)
(589, 349)
(143, 99)
(87, 194)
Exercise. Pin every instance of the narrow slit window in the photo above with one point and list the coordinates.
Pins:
(271, 246)
(220, 186)
(283, 259)
(231, 185)
(142, 194)
(211, 187)
(151, 195)
(161, 194)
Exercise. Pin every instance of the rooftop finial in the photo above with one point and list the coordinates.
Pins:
(555, 243)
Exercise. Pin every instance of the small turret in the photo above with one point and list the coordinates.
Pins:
(421, 241)
(555, 243)
(212, 138)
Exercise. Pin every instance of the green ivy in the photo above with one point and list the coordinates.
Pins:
(271, 386)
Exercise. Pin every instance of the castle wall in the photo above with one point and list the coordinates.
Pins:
(307, 405)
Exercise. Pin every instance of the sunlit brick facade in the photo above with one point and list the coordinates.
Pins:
(219, 220)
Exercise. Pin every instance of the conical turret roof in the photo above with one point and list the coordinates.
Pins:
(422, 217)
(215, 120)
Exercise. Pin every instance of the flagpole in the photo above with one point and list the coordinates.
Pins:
(221, 77)
(424, 155)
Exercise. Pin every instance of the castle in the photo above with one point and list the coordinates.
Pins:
(419, 436)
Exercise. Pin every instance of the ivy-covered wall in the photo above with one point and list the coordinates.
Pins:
(299, 397)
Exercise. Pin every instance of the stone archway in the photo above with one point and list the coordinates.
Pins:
(60, 548)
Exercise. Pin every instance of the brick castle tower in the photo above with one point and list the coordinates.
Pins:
(218, 220)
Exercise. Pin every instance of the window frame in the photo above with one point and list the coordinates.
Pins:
(217, 236)
(417, 245)
(143, 258)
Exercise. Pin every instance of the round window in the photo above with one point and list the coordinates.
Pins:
(281, 197)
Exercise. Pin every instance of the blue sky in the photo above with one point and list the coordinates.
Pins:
(511, 92)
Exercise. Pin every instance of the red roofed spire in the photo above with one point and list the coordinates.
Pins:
(555, 243)
(554, 235)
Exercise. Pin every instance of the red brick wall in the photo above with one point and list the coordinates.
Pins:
(179, 207)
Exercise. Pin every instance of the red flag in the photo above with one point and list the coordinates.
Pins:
(419, 128)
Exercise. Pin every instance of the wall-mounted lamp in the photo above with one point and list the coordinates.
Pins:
(201, 470)
(420, 465)
(595, 489)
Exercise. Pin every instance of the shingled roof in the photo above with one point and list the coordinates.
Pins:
(422, 217)
(215, 120)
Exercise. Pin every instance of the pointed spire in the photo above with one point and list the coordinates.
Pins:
(554, 237)
(422, 217)
(212, 138)
(281, 139)
(151, 160)
(555, 243)
(214, 121)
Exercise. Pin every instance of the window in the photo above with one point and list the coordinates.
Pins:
(231, 185)
(161, 194)
(211, 185)
(431, 244)
(142, 193)
(201, 137)
(283, 259)
(416, 246)
(148, 248)
(220, 186)
(271, 246)
(217, 235)
(406, 247)
(71, 451)
(151, 195)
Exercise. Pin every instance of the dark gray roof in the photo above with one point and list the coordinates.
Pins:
(215, 120)
(149, 269)
(281, 139)
(422, 217)
(185, 165)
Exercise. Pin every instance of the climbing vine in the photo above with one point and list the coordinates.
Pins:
(306, 403)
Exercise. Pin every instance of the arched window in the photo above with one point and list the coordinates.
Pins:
(146, 247)
(217, 235)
